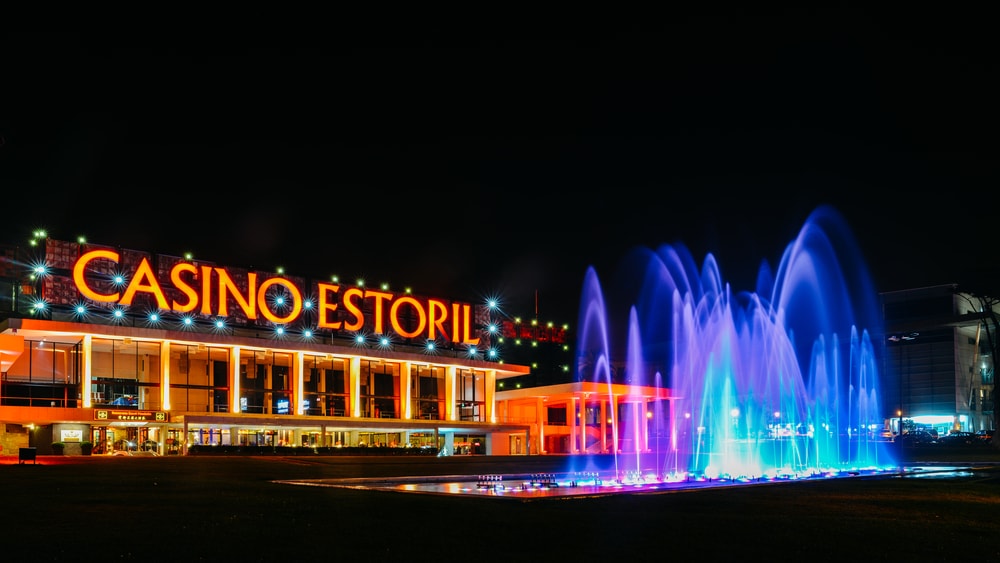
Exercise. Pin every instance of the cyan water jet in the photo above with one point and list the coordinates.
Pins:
(778, 382)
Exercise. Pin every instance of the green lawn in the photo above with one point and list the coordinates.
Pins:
(229, 508)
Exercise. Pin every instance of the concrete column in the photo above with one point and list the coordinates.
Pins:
(298, 384)
(354, 409)
(405, 392)
(491, 386)
(604, 425)
(164, 372)
(234, 379)
(541, 419)
(643, 424)
(449, 394)
(88, 362)
(614, 423)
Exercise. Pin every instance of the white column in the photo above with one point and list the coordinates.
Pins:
(406, 392)
(164, 373)
(604, 425)
(234, 381)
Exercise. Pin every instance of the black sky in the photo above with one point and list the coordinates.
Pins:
(471, 165)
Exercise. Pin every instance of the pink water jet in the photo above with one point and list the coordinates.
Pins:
(776, 382)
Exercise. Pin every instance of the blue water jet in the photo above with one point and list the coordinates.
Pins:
(782, 381)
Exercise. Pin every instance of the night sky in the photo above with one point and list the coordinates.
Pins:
(504, 164)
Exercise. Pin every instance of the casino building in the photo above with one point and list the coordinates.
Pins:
(122, 350)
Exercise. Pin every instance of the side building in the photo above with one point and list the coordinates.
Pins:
(938, 359)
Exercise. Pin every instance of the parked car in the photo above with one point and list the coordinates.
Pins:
(916, 438)
(985, 436)
(957, 438)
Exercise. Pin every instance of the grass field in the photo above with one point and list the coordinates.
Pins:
(230, 509)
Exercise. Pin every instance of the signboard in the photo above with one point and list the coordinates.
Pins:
(123, 415)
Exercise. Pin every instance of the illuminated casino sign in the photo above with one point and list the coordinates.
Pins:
(103, 275)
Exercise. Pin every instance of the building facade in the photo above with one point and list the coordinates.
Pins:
(938, 353)
(121, 350)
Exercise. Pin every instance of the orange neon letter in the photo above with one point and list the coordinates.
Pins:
(379, 297)
(143, 280)
(326, 307)
(296, 299)
(467, 326)
(454, 322)
(394, 317)
(226, 285)
(359, 319)
(438, 314)
(184, 287)
(206, 290)
(81, 282)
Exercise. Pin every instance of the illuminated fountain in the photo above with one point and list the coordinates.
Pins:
(776, 384)
(781, 382)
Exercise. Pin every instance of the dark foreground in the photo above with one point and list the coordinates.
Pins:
(230, 509)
